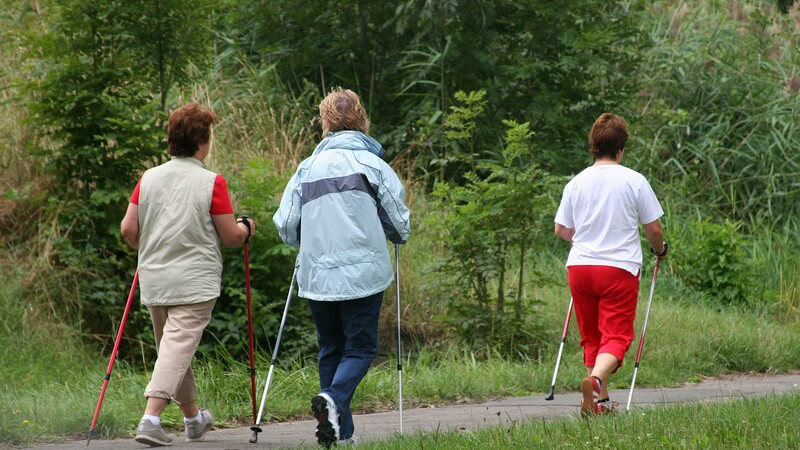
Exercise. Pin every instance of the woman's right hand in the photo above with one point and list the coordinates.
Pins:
(245, 231)
(231, 231)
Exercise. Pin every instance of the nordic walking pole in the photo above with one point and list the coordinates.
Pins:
(399, 342)
(644, 330)
(560, 351)
(113, 356)
(245, 220)
(257, 426)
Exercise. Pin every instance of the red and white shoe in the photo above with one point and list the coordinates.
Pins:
(605, 408)
(590, 390)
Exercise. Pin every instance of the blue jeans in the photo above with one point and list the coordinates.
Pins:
(347, 332)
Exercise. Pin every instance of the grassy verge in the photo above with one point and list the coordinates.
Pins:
(50, 383)
(769, 422)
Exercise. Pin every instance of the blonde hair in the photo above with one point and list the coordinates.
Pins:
(342, 110)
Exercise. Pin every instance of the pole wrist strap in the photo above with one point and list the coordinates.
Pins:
(666, 250)
(246, 222)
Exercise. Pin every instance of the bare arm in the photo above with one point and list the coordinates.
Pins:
(564, 232)
(130, 226)
(655, 235)
(231, 234)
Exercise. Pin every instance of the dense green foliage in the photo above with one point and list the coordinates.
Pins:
(538, 61)
(91, 94)
(717, 119)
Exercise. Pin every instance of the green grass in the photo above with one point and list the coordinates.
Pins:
(49, 384)
(767, 423)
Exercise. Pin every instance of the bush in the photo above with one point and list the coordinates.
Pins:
(712, 257)
(258, 191)
(487, 227)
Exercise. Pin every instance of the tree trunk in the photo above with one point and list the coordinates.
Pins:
(501, 297)
(482, 291)
(522, 249)
(162, 75)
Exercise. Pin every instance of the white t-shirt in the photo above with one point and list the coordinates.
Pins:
(605, 205)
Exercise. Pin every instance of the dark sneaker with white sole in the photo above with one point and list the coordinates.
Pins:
(150, 434)
(324, 410)
(196, 430)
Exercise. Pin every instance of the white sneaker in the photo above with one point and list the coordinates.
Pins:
(150, 434)
(196, 430)
(324, 410)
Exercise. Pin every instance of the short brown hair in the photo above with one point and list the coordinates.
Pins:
(608, 136)
(189, 127)
(342, 110)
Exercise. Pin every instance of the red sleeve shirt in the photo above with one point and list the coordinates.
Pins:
(135, 195)
(220, 198)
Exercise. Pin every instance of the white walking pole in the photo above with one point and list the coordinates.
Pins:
(257, 426)
(399, 343)
(644, 330)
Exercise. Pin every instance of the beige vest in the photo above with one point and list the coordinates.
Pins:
(179, 252)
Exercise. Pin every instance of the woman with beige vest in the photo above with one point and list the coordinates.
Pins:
(177, 216)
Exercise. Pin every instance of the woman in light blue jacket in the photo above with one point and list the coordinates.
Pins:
(340, 207)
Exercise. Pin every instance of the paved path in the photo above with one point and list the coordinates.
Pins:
(470, 416)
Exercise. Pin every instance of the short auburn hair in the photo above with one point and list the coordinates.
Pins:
(342, 110)
(188, 128)
(608, 136)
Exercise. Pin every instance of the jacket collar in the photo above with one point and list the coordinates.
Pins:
(350, 140)
(190, 159)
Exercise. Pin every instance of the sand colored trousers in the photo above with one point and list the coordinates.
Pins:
(178, 330)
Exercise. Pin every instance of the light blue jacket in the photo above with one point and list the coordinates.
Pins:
(340, 206)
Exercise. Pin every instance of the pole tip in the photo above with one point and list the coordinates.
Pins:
(90, 438)
(552, 394)
(256, 430)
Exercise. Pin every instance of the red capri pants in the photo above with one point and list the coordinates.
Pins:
(605, 306)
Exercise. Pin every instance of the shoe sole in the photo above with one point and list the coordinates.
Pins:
(326, 435)
(202, 435)
(587, 403)
(151, 441)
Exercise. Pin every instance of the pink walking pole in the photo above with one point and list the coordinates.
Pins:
(113, 355)
(560, 351)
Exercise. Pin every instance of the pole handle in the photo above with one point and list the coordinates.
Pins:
(246, 221)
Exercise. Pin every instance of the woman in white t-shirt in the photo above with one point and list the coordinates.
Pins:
(600, 213)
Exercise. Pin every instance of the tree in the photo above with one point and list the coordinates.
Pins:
(556, 65)
(102, 120)
(171, 37)
(483, 223)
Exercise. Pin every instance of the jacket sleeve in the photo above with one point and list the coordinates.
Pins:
(287, 217)
(392, 208)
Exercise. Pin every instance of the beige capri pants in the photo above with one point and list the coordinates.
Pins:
(178, 329)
